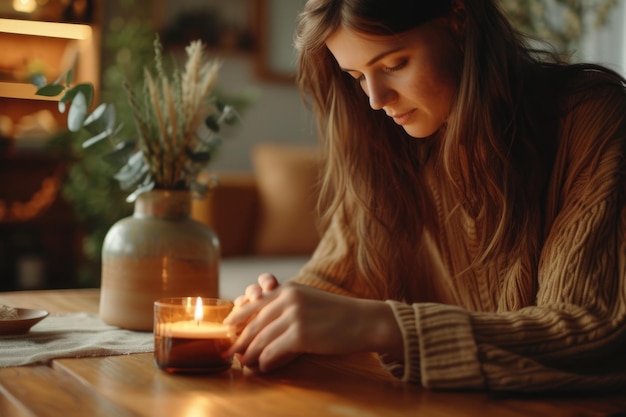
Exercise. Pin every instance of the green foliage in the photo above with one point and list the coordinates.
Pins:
(90, 187)
(560, 22)
(102, 142)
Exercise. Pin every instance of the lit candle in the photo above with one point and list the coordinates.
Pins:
(196, 329)
(198, 344)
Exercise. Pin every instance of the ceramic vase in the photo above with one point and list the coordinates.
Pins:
(158, 252)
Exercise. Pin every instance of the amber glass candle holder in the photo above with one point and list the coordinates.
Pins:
(189, 336)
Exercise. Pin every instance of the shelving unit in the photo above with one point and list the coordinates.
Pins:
(40, 240)
(49, 48)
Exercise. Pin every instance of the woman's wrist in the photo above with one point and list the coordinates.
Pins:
(381, 333)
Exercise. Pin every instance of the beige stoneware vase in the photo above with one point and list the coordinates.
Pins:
(159, 251)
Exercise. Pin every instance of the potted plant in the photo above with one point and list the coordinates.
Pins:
(159, 251)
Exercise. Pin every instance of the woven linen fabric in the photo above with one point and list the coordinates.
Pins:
(72, 335)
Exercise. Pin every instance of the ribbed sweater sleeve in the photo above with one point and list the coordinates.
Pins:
(434, 331)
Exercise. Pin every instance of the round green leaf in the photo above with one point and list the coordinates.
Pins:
(85, 89)
(77, 113)
(50, 90)
(96, 114)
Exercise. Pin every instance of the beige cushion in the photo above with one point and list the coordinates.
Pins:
(230, 209)
(287, 178)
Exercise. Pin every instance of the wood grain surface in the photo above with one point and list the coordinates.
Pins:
(315, 386)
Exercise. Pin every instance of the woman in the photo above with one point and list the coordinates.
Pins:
(473, 205)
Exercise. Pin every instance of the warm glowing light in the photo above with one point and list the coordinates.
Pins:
(198, 314)
(24, 6)
(50, 29)
(37, 204)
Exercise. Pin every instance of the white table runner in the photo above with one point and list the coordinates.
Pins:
(71, 336)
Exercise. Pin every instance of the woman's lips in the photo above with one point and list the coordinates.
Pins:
(402, 118)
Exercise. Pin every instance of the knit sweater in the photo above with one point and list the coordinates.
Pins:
(482, 329)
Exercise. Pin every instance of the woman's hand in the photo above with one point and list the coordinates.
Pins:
(280, 322)
(266, 282)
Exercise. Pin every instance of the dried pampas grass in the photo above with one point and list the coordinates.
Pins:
(173, 109)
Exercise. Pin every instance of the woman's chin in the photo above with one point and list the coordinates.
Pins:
(421, 132)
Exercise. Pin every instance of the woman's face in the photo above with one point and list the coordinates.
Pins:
(412, 76)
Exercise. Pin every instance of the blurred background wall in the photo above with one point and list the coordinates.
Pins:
(55, 201)
(254, 42)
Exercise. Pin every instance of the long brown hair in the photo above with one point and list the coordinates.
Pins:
(495, 150)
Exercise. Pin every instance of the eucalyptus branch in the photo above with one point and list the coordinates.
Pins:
(168, 152)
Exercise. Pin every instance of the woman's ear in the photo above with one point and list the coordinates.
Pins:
(458, 18)
(456, 21)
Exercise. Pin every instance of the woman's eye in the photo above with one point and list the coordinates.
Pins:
(358, 77)
(397, 67)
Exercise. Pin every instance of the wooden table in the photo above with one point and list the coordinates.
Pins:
(353, 386)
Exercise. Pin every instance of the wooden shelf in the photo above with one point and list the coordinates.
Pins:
(47, 48)
(23, 91)
(40, 239)
(46, 29)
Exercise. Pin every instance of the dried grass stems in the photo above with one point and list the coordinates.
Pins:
(173, 110)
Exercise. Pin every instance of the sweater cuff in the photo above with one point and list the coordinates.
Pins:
(408, 369)
(449, 356)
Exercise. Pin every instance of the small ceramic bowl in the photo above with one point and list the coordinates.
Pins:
(26, 318)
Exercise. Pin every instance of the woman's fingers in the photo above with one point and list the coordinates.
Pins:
(255, 339)
(268, 282)
(239, 316)
(243, 313)
(272, 339)
(296, 319)
(241, 301)
(278, 352)
(265, 283)
(264, 312)
(253, 292)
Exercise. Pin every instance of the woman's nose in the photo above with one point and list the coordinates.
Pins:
(380, 94)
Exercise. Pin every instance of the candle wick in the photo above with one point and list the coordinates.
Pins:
(198, 323)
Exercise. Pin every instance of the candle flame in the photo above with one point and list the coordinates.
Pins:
(199, 313)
